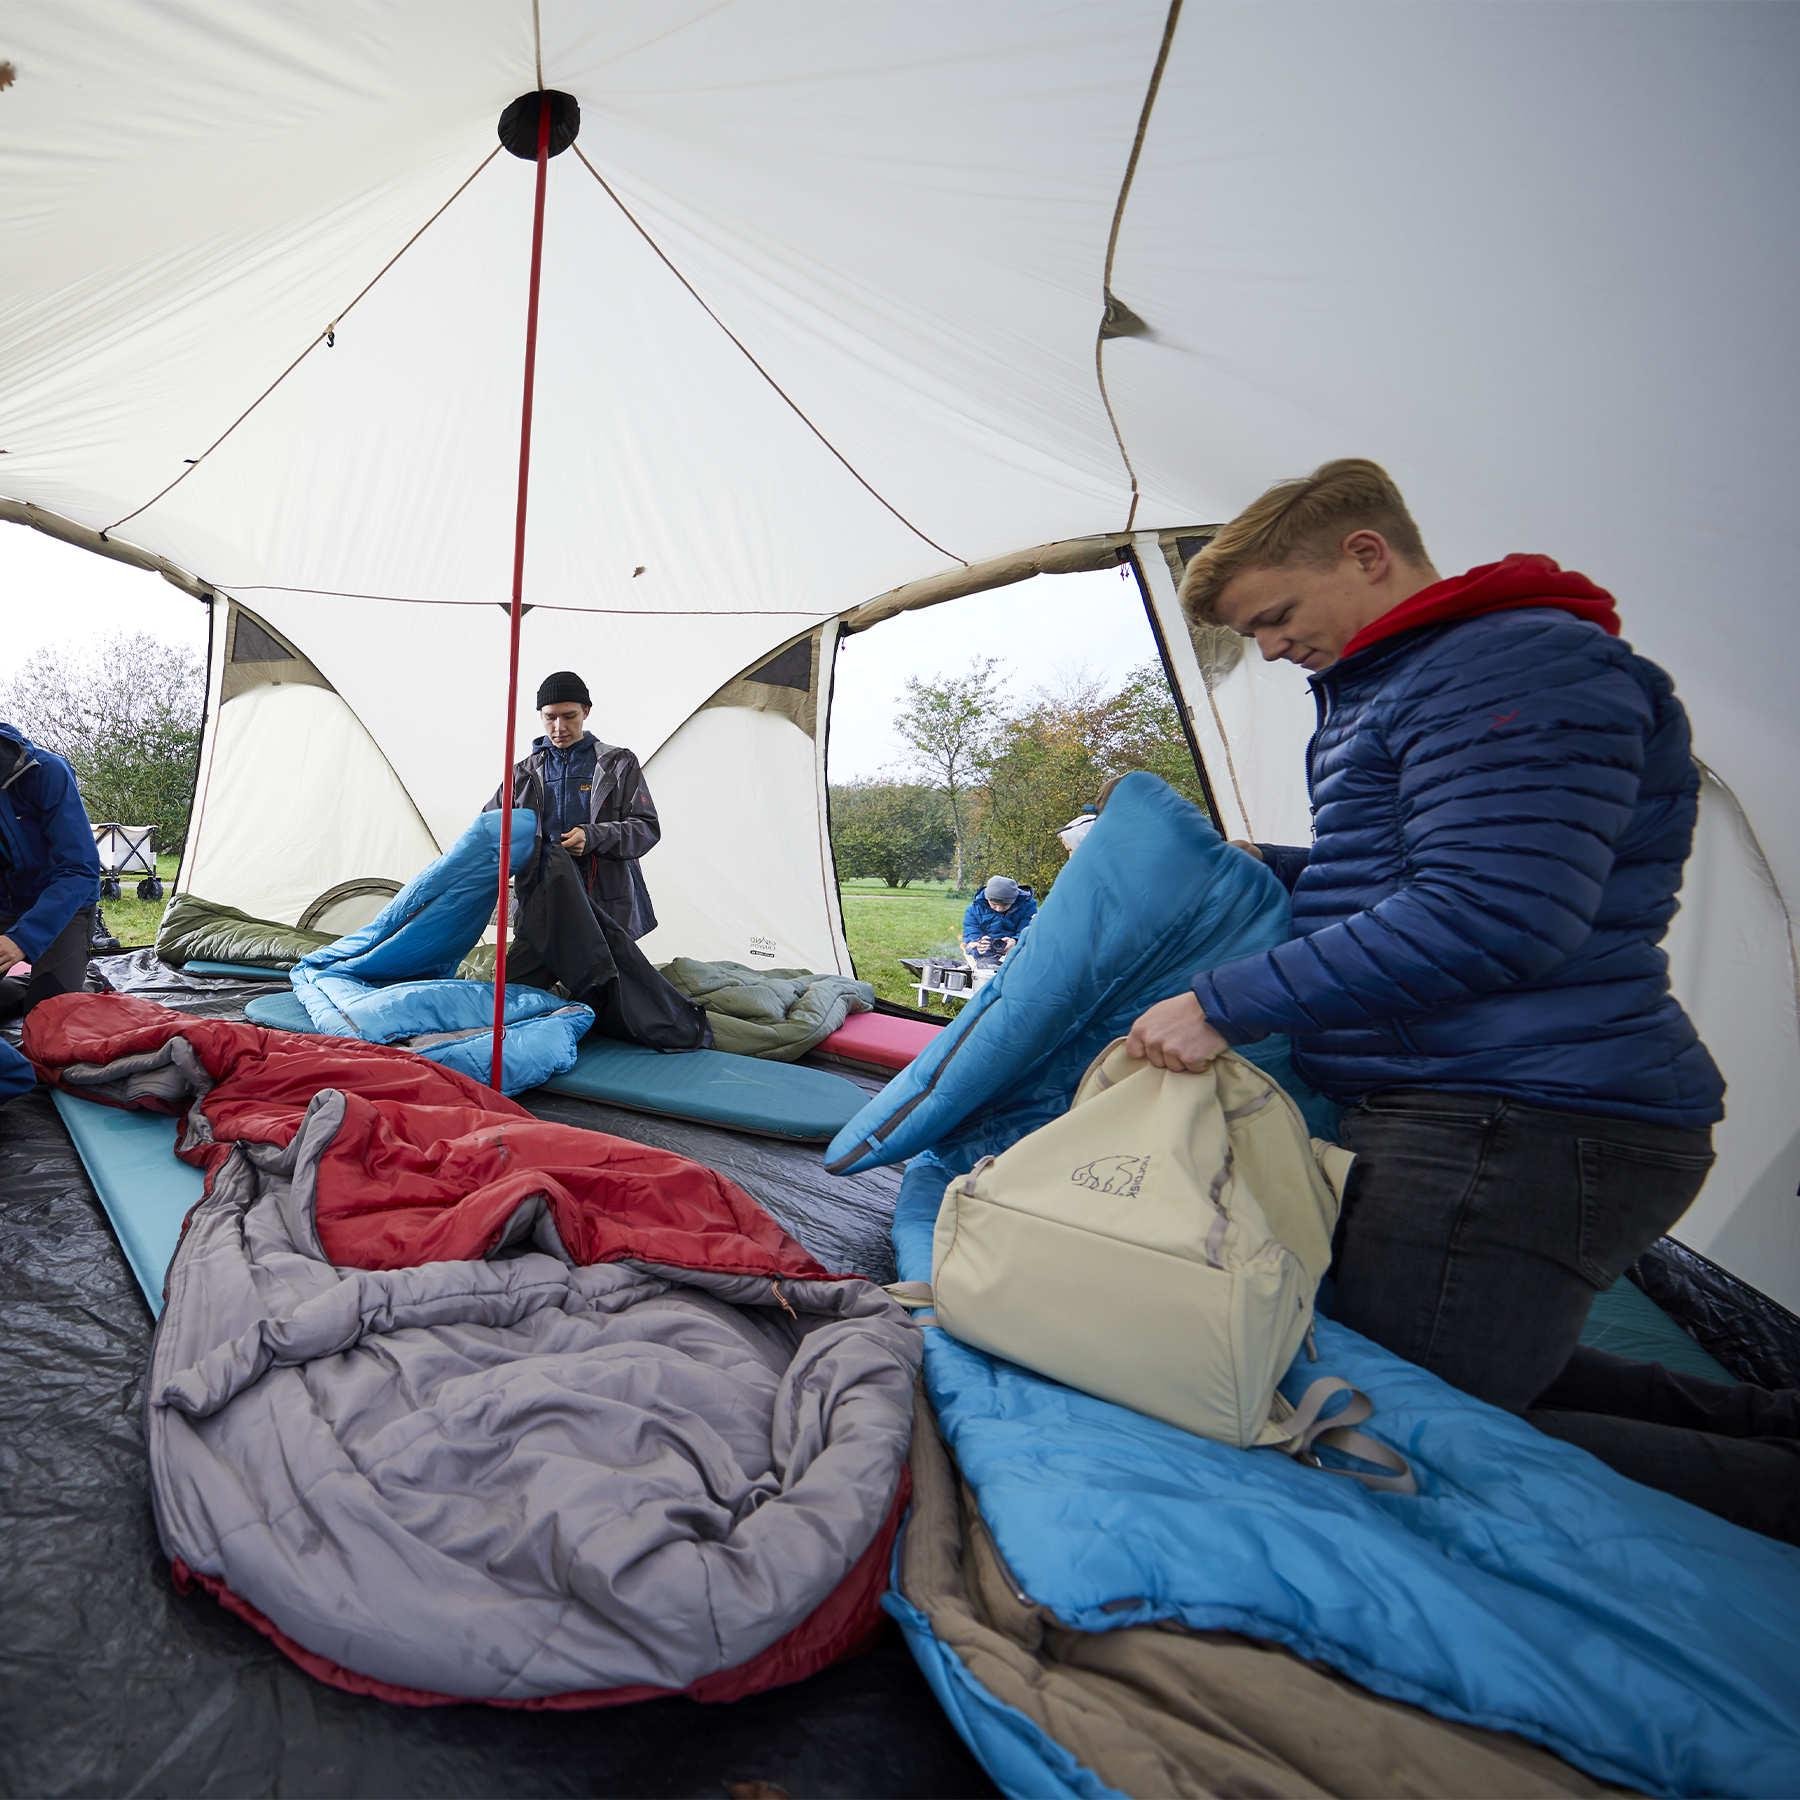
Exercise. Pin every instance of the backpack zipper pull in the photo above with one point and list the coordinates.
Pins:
(1312, 1344)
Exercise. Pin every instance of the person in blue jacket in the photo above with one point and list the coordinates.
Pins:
(993, 922)
(1503, 798)
(49, 874)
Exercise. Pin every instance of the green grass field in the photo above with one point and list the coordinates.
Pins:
(884, 924)
(131, 920)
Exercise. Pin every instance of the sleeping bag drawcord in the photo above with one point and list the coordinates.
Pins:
(518, 581)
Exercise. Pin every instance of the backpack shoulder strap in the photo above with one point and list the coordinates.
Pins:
(1307, 1428)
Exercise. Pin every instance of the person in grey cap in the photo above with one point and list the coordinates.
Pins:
(993, 923)
(592, 799)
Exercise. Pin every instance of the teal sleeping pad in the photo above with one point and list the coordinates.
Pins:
(706, 1087)
(146, 1189)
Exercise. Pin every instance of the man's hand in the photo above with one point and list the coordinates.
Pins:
(10, 953)
(1248, 848)
(574, 840)
(1174, 1034)
(1006, 944)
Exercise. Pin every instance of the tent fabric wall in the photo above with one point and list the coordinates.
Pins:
(741, 873)
(822, 301)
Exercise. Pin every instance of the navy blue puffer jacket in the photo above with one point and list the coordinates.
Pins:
(1503, 797)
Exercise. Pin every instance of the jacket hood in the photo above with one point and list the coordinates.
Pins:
(16, 753)
(1515, 581)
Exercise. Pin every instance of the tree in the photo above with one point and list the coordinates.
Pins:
(950, 724)
(1054, 758)
(126, 716)
(1045, 767)
(1141, 729)
(895, 831)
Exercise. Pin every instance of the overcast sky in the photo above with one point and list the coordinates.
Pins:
(1042, 631)
(54, 594)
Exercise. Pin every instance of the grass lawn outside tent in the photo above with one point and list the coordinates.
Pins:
(884, 924)
(131, 920)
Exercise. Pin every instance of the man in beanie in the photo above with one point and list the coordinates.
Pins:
(591, 798)
(993, 922)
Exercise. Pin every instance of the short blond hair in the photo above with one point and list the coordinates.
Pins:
(1302, 520)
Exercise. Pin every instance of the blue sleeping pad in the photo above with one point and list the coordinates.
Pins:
(709, 1087)
(146, 1189)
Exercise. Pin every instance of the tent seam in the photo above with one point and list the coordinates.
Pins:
(324, 336)
(744, 350)
(1112, 248)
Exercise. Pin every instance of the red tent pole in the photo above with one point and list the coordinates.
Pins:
(518, 580)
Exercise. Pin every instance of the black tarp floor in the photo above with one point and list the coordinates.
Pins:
(113, 1684)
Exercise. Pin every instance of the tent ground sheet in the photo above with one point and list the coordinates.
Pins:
(742, 1092)
(116, 1683)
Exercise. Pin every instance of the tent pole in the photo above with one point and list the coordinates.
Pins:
(518, 583)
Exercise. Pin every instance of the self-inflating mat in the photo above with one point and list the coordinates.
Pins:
(561, 1419)
(146, 1189)
(1525, 1589)
(741, 1093)
(235, 971)
(879, 1040)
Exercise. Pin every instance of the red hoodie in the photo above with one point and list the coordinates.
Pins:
(1513, 582)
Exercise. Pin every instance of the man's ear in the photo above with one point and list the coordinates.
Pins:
(1370, 552)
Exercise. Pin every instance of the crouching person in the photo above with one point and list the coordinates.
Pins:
(49, 875)
(993, 923)
(1503, 796)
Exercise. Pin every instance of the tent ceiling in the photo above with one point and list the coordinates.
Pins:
(1537, 258)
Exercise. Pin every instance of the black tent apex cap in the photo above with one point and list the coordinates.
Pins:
(519, 123)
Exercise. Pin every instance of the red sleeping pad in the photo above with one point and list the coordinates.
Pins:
(879, 1039)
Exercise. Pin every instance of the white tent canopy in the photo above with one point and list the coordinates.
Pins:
(821, 317)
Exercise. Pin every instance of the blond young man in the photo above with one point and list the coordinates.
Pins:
(1503, 798)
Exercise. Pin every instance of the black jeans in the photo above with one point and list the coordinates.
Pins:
(62, 969)
(1476, 1232)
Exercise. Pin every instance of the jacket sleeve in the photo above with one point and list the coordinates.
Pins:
(1514, 789)
(522, 784)
(1286, 861)
(639, 830)
(71, 876)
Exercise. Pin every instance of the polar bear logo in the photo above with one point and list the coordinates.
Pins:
(1119, 1175)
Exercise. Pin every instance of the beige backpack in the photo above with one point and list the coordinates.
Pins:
(1159, 1245)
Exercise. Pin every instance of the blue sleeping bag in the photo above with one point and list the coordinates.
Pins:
(395, 981)
(1054, 1006)
(1526, 1588)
